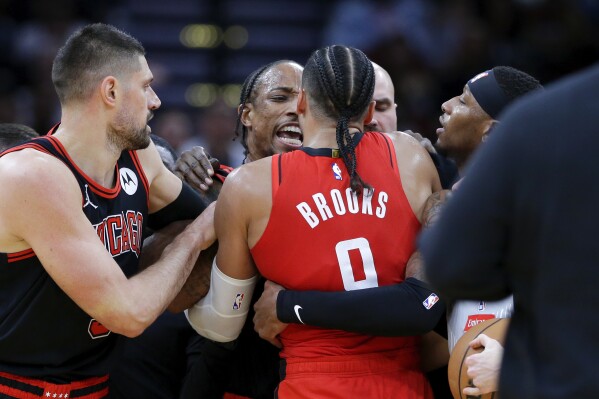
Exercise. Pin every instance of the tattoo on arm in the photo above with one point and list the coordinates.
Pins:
(197, 284)
(415, 267)
(430, 215)
(432, 207)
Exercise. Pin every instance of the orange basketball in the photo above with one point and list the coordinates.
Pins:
(456, 370)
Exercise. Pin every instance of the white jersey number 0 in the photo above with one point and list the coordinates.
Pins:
(347, 274)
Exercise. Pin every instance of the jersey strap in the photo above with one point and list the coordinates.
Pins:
(277, 174)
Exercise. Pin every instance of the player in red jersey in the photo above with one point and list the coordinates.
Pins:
(331, 212)
(466, 121)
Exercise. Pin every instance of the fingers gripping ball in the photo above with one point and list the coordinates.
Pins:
(457, 370)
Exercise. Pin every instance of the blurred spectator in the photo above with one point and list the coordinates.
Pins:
(31, 31)
(35, 43)
(428, 47)
(175, 126)
(431, 47)
(215, 132)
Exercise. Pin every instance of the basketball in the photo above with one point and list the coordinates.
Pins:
(456, 370)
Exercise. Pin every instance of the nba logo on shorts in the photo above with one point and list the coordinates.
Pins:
(238, 300)
(337, 171)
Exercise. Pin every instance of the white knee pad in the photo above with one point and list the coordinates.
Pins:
(220, 315)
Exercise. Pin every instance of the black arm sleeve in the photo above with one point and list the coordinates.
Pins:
(188, 205)
(408, 308)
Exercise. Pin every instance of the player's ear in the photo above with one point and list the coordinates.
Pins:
(245, 114)
(301, 102)
(369, 113)
(489, 128)
(108, 90)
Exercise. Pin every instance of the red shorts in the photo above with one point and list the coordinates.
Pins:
(380, 375)
(18, 387)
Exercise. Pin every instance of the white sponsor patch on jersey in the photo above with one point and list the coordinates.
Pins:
(128, 180)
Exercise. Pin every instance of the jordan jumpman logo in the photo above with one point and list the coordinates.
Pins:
(87, 200)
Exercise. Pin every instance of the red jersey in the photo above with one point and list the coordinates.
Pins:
(321, 236)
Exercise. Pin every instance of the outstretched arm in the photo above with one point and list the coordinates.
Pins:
(197, 284)
(70, 251)
(371, 309)
(167, 223)
(371, 313)
(220, 315)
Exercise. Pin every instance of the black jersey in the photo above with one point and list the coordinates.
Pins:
(43, 333)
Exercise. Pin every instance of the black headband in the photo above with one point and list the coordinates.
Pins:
(488, 93)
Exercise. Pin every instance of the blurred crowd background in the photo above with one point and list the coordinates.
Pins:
(200, 51)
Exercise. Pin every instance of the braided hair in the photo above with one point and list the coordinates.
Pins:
(248, 95)
(340, 81)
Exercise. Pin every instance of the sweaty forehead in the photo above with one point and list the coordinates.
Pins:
(281, 76)
(467, 94)
(471, 102)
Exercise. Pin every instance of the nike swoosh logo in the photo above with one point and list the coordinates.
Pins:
(296, 308)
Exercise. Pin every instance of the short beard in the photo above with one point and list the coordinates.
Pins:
(124, 137)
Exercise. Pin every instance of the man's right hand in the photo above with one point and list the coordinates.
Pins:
(196, 167)
(266, 323)
(484, 367)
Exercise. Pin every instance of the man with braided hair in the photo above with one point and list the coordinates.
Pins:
(272, 129)
(267, 124)
(181, 363)
(467, 119)
(319, 218)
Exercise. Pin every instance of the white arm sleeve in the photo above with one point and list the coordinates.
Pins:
(220, 315)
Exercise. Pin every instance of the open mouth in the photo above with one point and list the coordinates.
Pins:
(441, 130)
(291, 135)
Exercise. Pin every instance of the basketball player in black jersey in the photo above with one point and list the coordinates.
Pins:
(73, 206)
